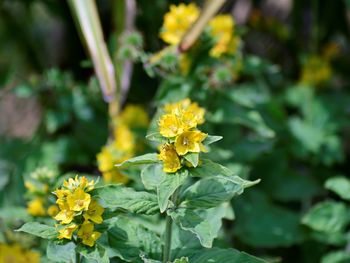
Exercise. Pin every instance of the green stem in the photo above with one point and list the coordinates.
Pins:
(77, 257)
(168, 230)
(168, 234)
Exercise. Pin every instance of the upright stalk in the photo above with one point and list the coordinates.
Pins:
(77, 257)
(168, 235)
(169, 230)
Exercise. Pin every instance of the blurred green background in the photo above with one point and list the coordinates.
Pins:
(52, 112)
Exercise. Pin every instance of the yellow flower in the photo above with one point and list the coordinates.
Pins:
(61, 193)
(16, 254)
(36, 207)
(105, 159)
(171, 161)
(178, 107)
(87, 234)
(81, 182)
(30, 186)
(190, 141)
(222, 27)
(85, 184)
(170, 125)
(65, 215)
(78, 200)
(52, 210)
(177, 21)
(94, 213)
(67, 231)
(180, 117)
(316, 71)
(124, 139)
(197, 111)
(134, 116)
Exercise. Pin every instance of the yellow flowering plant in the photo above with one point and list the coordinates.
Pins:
(186, 189)
(78, 219)
(215, 59)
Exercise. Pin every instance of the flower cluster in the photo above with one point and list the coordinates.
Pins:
(316, 69)
(39, 185)
(124, 145)
(178, 125)
(177, 21)
(15, 253)
(78, 211)
(221, 28)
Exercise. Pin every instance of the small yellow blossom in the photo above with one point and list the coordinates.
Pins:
(79, 200)
(87, 234)
(190, 141)
(316, 71)
(106, 161)
(177, 21)
(124, 139)
(36, 207)
(171, 161)
(81, 182)
(189, 114)
(65, 215)
(52, 210)
(94, 213)
(67, 231)
(30, 186)
(134, 116)
(170, 125)
(61, 193)
(222, 27)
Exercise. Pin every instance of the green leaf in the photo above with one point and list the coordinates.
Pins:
(210, 192)
(205, 224)
(328, 216)
(340, 256)
(116, 196)
(193, 158)
(211, 139)
(152, 175)
(168, 186)
(181, 260)
(208, 168)
(128, 239)
(60, 253)
(156, 137)
(148, 158)
(96, 254)
(193, 221)
(39, 230)
(277, 227)
(339, 185)
(219, 255)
